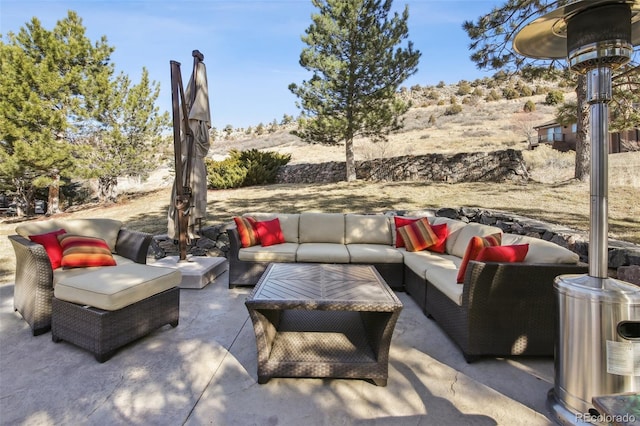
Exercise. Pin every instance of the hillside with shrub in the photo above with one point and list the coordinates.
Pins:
(482, 115)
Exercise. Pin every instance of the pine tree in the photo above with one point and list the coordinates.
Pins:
(625, 113)
(354, 52)
(124, 137)
(46, 87)
(63, 114)
(491, 45)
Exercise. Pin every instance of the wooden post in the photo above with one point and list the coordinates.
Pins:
(183, 194)
(183, 177)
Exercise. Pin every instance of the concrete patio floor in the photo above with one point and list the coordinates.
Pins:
(204, 372)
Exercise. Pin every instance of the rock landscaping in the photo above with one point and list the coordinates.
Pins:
(496, 166)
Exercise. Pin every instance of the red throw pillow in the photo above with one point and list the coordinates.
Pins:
(418, 235)
(248, 235)
(51, 245)
(269, 232)
(401, 221)
(442, 232)
(79, 251)
(473, 248)
(514, 253)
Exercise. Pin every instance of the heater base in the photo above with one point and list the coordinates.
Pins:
(563, 415)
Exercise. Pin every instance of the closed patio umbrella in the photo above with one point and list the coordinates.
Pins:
(191, 144)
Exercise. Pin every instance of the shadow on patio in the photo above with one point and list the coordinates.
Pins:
(204, 372)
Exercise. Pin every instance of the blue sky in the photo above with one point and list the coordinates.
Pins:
(251, 47)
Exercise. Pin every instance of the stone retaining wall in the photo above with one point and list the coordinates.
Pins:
(496, 166)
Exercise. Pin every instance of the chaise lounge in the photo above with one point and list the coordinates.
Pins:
(35, 275)
(87, 281)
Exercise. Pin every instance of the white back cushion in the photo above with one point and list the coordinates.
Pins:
(107, 229)
(321, 228)
(289, 223)
(465, 234)
(453, 226)
(367, 229)
(541, 251)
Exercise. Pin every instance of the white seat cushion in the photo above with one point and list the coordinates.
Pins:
(62, 273)
(444, 279)
(121, 260)
(420, 261)
(114, 287)
(441, 270)
(374, 253)
(285, 252)
(417, 261)
(322, 253)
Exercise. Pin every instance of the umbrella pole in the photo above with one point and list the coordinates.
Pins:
(183, 193)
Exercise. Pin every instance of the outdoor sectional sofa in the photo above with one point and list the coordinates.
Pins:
(500, 309)
(104, 297)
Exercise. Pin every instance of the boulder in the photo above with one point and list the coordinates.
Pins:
(630, 274)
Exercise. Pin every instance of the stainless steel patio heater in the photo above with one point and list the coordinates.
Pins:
(598, 318)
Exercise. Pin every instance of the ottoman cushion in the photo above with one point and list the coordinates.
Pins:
(114, 287)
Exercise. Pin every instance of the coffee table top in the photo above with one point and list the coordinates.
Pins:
(319, 286)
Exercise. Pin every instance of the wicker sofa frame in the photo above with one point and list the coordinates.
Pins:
(507, 309)
(33, 291)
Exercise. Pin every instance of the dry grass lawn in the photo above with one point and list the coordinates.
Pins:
(565, 203)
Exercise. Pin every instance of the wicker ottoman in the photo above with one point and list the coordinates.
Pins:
(106, 309)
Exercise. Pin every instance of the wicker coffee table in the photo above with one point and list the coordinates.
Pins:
(323, 320)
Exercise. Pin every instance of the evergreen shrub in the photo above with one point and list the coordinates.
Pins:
(245, 168)
(453, 109)
(554, 97)
(224, 174)
(529, 106)
(493, 96)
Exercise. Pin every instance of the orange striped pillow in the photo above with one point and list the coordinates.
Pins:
(418, 235)
(80, 251)
(246, 229)
(473, 249)
(401, 221)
